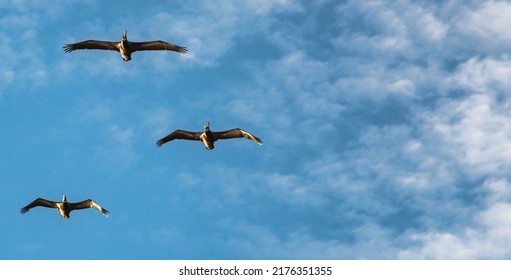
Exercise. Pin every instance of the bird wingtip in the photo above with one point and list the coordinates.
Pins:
(159, 143)
(68, 48)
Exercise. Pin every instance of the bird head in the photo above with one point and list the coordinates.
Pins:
(124, 36)
(206, 127)
(64, 199)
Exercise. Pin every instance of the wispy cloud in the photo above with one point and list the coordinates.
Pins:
(386, 124)
(427, 162)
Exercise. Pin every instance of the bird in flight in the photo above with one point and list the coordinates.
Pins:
(125, 47)
(208, 137)
(65, 207)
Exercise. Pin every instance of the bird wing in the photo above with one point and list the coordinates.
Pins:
(88, 204)
(157, 46)
(237, 133)
(39, 202)
(92, 44)
(179, 134)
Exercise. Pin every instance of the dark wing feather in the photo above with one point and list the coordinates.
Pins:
(157, 46)
(92, 44)
(88, 204)
(39, 202)
(237, 133)
(179, 134)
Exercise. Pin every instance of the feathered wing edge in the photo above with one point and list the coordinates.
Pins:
(179, 134)
(237, 133)
(38, 202)
(89, 203)
(157, 46)
(92, 44)
(99, 208)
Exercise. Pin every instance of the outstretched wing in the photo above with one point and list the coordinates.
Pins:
(92, 44)
(179, 134)
(237, 133)
(88, 204)
(39, 202)
(157, 46)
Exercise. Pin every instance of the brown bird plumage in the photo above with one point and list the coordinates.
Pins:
(64, 207)
(208, 137)
(125, 47)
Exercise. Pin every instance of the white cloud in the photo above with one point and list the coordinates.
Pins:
(438, 246)
(488, 238)
(23, 57)
(442, 164)
(476, 132)
(267, 6)
(213, 27)
(498, 189)
(288, 97)
(487, 25)
(486, 75)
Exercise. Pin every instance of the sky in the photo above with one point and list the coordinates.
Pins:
(386, 129)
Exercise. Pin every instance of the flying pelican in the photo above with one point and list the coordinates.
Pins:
(65, 207)
(125, 47)
(208, 137)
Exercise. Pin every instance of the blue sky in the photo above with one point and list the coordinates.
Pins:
(387, 130)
